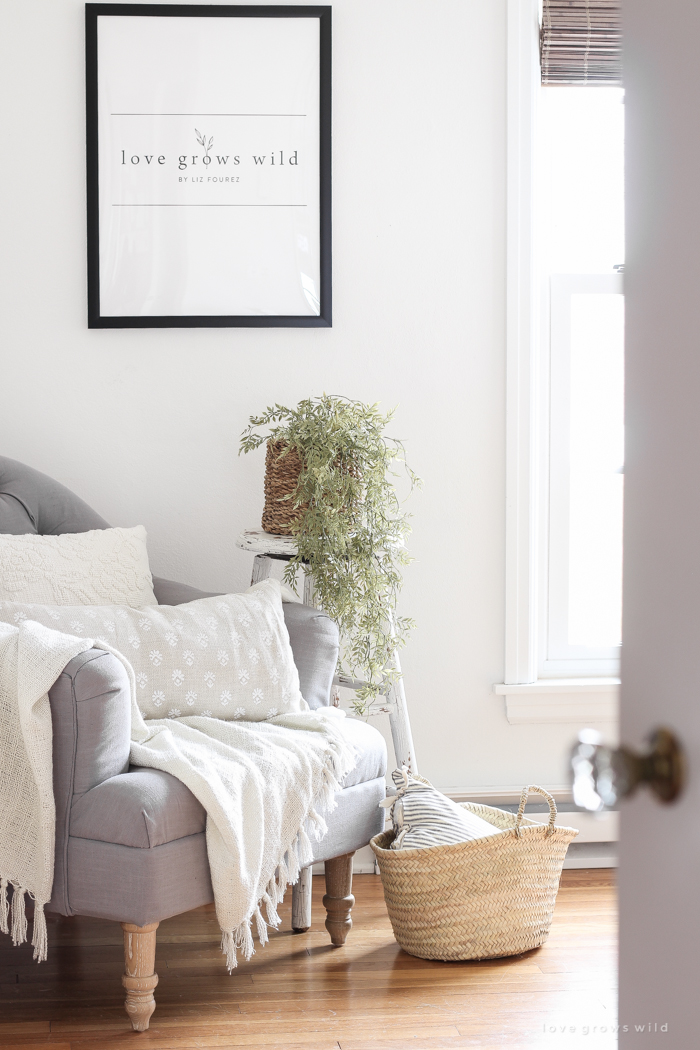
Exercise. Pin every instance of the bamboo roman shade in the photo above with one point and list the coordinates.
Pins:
(581, 42)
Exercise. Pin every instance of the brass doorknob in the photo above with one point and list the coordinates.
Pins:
(604, 775)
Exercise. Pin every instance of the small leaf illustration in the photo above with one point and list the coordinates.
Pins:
(211, 140)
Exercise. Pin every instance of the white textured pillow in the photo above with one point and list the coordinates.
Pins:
(101, 567)
(227, 657)
(422, 816)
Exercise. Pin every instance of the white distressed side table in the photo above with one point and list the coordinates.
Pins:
(266, 548)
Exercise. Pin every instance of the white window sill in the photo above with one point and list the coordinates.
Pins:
(572, 700)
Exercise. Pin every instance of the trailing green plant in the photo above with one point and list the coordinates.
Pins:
(350, 532)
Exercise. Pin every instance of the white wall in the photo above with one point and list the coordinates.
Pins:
(144, 424)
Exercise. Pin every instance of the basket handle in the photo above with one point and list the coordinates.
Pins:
(523, 802)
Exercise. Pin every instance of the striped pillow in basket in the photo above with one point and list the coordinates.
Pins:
(422, 816)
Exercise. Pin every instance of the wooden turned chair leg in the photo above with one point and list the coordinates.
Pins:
(338, 900)
(301, 901)
(139, 973)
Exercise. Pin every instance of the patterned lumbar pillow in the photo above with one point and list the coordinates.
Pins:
(101, 567)
(225, 657)
(422, 816)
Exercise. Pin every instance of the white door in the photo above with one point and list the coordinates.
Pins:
(660, 845)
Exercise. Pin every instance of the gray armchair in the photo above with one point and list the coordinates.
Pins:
(130, 842)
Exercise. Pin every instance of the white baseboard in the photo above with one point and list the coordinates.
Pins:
(591, 855)
(592, 827)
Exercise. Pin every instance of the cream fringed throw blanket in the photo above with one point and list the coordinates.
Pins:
(31, 659)
(261, 784)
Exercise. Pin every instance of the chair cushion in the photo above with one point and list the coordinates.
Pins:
(142, 808)
(147, 807)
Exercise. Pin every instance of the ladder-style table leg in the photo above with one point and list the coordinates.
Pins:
(301, 901)
(261, 569)
(400, 724)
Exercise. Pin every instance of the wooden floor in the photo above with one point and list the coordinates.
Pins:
(299, 992)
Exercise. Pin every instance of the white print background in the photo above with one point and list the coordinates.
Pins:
(177, 260)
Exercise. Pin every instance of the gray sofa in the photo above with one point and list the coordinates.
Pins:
(130, 842)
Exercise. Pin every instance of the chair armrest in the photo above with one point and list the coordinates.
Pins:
(315, 644)
(91, 716)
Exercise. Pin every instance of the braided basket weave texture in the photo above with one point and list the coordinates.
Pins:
(281, 478)
(476, 900)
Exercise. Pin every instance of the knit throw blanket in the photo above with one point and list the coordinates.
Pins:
(263, 786)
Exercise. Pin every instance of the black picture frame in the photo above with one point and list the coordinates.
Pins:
(98, 319)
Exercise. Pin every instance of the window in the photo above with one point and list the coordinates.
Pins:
(583, 588)
(580, 176)
(564, 387)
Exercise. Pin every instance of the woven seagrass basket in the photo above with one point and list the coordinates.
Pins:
(476, 900)
(281, 478)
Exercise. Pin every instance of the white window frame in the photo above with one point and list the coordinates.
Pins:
(529, 697)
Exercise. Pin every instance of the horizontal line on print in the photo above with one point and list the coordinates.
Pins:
(209, 205)
(207, 114)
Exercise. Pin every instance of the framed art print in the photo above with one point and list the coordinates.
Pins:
(209, 166)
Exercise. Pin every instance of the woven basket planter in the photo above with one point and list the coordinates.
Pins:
(281, 478)
(476, 900)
